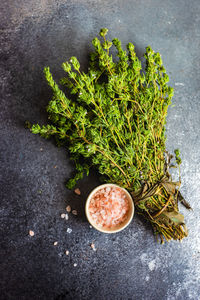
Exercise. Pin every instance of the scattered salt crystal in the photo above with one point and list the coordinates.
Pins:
(68, 208)
(90, 226)
(55, 243)
(69, 230)
(31, 233)
(62, 216)
(66, 217)
(179, 84)
(93, 246)
(74, 212)
(77, 191)
(67, 252)
(75, 265)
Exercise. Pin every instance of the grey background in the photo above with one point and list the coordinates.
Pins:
(127, 265)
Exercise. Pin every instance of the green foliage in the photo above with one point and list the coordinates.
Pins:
(116, 124)
(178, 159)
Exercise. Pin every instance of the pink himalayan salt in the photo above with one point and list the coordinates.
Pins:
(109, 206)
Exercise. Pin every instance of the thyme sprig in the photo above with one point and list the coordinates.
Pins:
(116, 124)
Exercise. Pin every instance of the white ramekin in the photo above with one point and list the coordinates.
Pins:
(119, 227)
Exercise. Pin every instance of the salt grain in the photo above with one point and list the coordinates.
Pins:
(108, 207)
(31, 233)
(93, 246)
(55, 243)
(66, 217)
(75, 265)
(77, 191)
(179, 84)
(69, 230)
(68, 208)
(62, 216)
(74, 212)
(67, 252)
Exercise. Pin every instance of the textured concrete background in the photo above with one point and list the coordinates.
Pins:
(127, 265)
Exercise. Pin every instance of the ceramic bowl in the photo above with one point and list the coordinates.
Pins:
(118, 227)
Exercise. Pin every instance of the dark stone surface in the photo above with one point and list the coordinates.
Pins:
(127, 265)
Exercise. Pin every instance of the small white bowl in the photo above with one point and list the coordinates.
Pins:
(118, 227)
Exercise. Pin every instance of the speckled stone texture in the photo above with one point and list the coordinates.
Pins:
(127, 265)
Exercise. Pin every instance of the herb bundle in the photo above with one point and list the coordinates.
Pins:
(114, 122)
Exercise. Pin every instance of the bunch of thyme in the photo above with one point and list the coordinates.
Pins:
(115, 123)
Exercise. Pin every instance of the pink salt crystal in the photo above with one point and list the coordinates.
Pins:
(93, 246)
(68, 208)
(31, 233)
(77, 191)
(109, 207)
